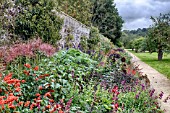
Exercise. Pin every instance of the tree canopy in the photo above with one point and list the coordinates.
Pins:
(105, 16)
(78, 9)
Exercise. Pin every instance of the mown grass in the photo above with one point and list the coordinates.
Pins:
(151, 59)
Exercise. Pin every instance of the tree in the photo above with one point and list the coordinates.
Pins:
(159, 35)
(105, 16)
(78, 9)
(36, 17)
(138, 44)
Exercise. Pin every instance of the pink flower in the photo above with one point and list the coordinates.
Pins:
(47, 49)
(115, 89)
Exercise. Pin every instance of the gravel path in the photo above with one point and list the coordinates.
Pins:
(157, 81)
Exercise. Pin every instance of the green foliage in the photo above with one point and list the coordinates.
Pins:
(127, 39)
(138, 43)
(83, 43)
(36, 18)
(105, 16)
(139, 32)
(78, 9)
(71, 65)
(68, 39)
(128, 36)
(105, 44)
(94, 38)
(93, 99)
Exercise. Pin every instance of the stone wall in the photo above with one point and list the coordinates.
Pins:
(73, 27)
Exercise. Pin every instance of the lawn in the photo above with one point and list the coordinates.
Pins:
(151, 59)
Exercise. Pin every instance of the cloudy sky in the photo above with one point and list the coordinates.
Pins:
(137, 13)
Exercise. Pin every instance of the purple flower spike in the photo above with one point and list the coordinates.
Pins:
(137, 95)
(152, 92)
(161, 95)
(123, 82)
(143, 86)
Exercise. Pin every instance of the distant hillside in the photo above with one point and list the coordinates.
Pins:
(139, 32)
(129, 36)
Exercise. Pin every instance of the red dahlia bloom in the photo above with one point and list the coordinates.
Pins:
(37, 95)
(36, 68)
(116, 106)
(27, 65)
(48, 94)
(27, 104)
(8, 77)
(115, 89)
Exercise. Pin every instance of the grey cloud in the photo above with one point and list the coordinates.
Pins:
(134, 10)
(162, 0)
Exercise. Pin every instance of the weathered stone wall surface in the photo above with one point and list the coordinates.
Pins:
(73, 27)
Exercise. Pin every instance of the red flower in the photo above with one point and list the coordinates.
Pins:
(37, 95)
(50, 90)
(60, 111)
(26, 72)
(39, 98)
(20, 103)
(36, 68)
(48, 94)
(36, 79)
(40, 87)
(117, 93)
(27, 104)
(11, 81)
(23, 81)
(8, 77)
(11, 98)
(53, 110)
(46, 75)
(48, 107)
(41, 76)
(17, 84)
(18, 89)
(11, 106)
(51, 100)
(116, 106)
(133, 72)
(32, 106)
(27, 65)
(1, 98)
(58, 106)
(115, 89)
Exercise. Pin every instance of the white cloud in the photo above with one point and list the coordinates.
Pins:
(139, 11)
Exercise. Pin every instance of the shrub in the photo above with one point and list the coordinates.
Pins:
(37, 18)
(94, 38)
